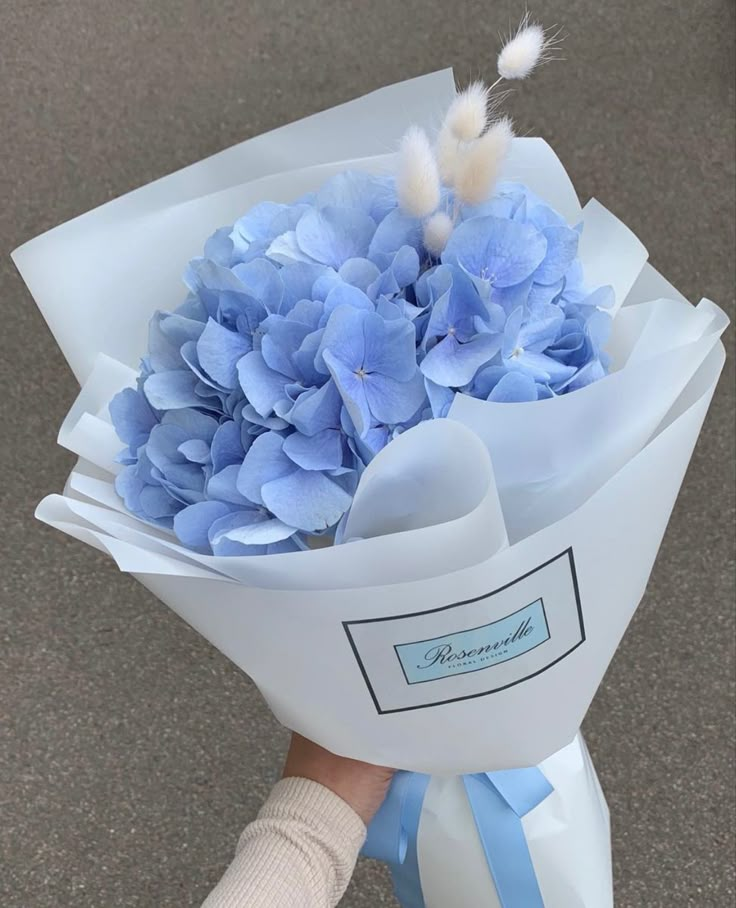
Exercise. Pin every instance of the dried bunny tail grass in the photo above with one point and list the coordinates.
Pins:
(467, 116)
(480, 163)
(437, 231)
(449, 146)
(447, 149)
(417, 178)
(525, 50)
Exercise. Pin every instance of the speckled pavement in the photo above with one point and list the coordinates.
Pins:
(132, 753)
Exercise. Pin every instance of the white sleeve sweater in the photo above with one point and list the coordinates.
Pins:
(300, 852)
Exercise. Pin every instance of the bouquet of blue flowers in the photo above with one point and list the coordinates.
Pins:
(405, 453)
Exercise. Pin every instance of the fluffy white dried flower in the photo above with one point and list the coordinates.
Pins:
(437, 232)
(480, 162)
(523, 51)
(417, 178)
(447, 149)
(467, 116)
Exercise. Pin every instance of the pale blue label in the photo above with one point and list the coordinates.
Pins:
(476, 648)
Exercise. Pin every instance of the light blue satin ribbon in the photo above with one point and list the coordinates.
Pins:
(392, 835)
(498, 801)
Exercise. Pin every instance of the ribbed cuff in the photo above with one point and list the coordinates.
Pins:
(313, 804)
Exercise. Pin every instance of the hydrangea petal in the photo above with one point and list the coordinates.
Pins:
(502, 252)
(562, 247)
(132, 417)
(393, 402)
(317, 409)
(209, 386)
(249, 528)
(179, 329)
(307, 500)
(184, 495)
(205, 275)
(345, 295)
(541, 295)
(129, 485)
(223, 486)
(220, 247)
(333, 235)
(486, 380)
(193, 422)
(343, 337)
(185, 476)
(167, 333)
(322, 451)
(282, 338)
(227, 446)
(397, 308)
(570, 342)
(290, 216)
(357, 189)
(352, 391)
(156, 503)
(262, 386)
(395, 230)
(261, 280)
(267, 422)
(219, 350)
(171, 390)
(514, 387)
(305, 359)
(256, 223)
(264, 462)
(327, 281)
(163, 445)
(542, 368)
(542, 216)
(589, 373)
(440, 398)
(390, 347)
(405, 266)
(285, 250)
(360, 273)
(456, 303)
(298, 281)
(511, 298)
(192, 524)
(375, 440)
(541, 328)
(195, 450)
(454, 365)
(402, 271)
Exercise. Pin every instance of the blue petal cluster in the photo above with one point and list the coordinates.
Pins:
(314, 332)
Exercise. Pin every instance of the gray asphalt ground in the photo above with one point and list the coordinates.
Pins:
(133, 753)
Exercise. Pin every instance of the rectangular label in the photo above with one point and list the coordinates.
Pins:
(475, 649)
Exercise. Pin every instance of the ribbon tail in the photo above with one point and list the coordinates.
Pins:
(392, 836)
(501, 832)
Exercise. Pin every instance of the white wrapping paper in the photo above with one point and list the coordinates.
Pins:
(568, 836)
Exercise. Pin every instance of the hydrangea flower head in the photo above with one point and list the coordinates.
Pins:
(314, 333)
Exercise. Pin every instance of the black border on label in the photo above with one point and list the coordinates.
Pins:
(382, 712)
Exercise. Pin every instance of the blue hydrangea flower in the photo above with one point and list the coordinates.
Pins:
(373, 363)
(314, 333)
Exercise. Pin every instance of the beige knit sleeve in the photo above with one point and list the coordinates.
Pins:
(300, 852)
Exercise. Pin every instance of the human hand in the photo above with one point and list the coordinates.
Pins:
(360, 785)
